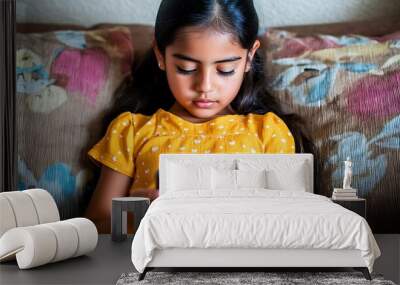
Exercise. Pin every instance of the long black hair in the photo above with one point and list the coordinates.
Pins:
(147, 90)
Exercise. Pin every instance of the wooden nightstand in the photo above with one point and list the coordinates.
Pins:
(357, 205)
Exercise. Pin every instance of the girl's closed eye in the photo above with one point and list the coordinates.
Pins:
(188, 71)
(227, 72)
(185, 70)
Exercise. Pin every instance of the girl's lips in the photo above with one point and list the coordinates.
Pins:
(204, 104)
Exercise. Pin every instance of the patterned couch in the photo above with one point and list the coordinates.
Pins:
(342, 79)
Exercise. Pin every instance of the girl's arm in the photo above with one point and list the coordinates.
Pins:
(111, 184)
(147, 193)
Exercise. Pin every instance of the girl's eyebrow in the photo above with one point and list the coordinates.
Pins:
(185, 57)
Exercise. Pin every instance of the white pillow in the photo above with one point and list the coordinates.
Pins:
(181, 177)
(236, 179)
(251, 178)
(289, 179)
(223, 179)
(282, 174)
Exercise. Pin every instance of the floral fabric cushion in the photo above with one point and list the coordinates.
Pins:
(347, 88)
(65, 81)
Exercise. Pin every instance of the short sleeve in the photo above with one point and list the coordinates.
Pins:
(277, 137)
(115, 149)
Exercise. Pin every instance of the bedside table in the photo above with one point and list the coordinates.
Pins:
(137, 205)
(357, 205)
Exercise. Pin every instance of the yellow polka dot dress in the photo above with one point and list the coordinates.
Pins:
(133, 142)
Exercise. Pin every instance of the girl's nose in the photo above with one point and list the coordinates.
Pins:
(204, 82)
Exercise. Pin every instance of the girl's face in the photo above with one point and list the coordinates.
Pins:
(205, 70)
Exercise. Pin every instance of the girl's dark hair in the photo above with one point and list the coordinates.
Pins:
(148, 89)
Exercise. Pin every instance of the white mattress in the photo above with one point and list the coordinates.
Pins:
(252, 218)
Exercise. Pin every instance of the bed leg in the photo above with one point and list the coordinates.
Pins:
(364, 271)
(143, 274)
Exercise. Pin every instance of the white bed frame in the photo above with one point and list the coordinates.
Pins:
(250, 258)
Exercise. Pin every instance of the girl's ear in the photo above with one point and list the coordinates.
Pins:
(159, 56)
(251, 54)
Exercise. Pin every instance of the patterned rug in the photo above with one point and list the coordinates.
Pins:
(243, 278)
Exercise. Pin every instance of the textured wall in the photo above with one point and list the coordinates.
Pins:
(271, 12)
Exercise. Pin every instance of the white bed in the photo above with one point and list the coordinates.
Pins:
(197, 224)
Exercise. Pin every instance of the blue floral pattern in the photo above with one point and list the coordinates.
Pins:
(368, 168)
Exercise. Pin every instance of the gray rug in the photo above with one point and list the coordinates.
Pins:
(243, 278)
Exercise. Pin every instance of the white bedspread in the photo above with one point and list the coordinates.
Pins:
(250, 218)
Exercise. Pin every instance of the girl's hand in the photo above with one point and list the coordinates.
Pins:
(147, 193)
(153, 194)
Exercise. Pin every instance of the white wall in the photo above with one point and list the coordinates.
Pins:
(271, 12)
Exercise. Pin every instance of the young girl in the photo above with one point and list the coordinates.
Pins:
(201, 89)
